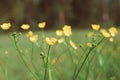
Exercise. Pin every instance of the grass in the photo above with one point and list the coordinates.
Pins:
(105, 64)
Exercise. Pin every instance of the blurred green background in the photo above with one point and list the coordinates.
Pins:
(78, 13)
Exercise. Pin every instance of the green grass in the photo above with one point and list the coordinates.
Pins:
(104, 66)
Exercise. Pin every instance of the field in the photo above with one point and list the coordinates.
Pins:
(103, 62)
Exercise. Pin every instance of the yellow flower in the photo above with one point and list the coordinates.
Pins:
(95, 27)
(89, 44)
(29, 34)
(25, 26)
(5, 26)
(111, 39)
(105, 33)
(51, 41)
(113, 31)
(67, 30)
(42, 25)
(61, 40)
(91, 34)
(34, 38)
(73, 44)
(59, 32)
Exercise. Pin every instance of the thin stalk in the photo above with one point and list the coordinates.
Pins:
(6, 68)
(43, 34)
(32, 51)
(75, 77)
(82, 56)
(46, 64)
(87, 72)
(43, 59)
(39, 47)
(20, 54)
(77, 73)
(50, 74)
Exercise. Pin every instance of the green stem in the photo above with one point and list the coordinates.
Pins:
(87, 67)
(77, 73)
(43, 59)
(6, 68)
(80, 59)
(43, 34)
(75, 77)
(39, 47)
(50, 74)
(32, 51)
(20, 54)
(46, 64)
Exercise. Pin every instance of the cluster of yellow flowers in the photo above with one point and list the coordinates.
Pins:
(31, 36)
(110, 33)
(66, 31)
(51, 41)
(41, 25)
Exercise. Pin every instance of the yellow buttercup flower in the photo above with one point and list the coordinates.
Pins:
(42, 25)
(59, 32)
(91, 34)
(113, 31)
(5, 26)
(34, 38)
(61, 40)
(111, 39)
(95, 27)
(25, 26)
(51, 41)
(105, 33)
(29, 34)
(89, 44)
(67, 30)
(73, 44)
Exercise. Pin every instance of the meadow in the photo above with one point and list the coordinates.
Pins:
(103, 63)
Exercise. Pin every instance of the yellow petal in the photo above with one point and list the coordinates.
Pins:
(29, 34)
(5, 26)
(105, 33)
(91, 34)
(89, 44)
(51, 41)
(42, 25)
(59, 32)
(95, 27)
(34, 38)
(67, 30)
(61, 40)
(25, 26)
(113, 31)
(73, 44)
